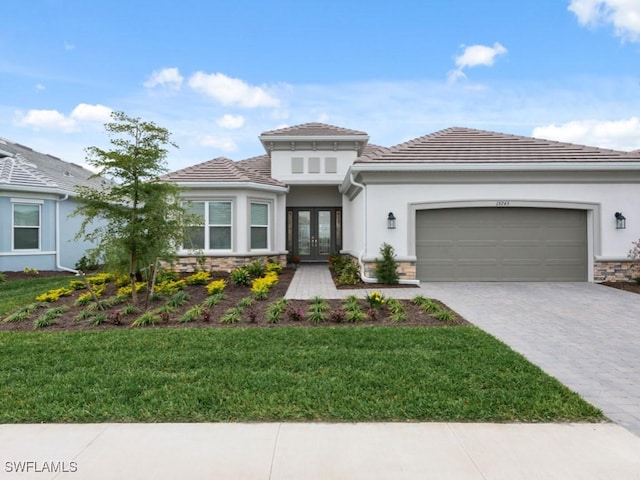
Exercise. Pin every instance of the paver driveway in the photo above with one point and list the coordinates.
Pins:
(585, 335)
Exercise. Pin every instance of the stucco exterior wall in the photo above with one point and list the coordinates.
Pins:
(281, 166)
(606, 244)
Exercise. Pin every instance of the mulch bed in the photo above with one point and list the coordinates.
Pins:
(633, 287)
(254, 315)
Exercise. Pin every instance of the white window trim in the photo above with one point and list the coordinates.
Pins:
(206, 225)
(14, 202)
(267, 226)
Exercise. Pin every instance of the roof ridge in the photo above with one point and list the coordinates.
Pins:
(311, 128)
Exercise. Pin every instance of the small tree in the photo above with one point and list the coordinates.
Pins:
(387, 268)
(137, 219)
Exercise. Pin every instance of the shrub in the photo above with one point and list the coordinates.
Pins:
(444, 315)
(85, 264)
(77, 285)
(232, 315)
(54, 295)
(213, 300)
(169, 287)
(273, 266)
(199, 278)
(337, 315)
(318, 310)
(23, 313)
(126, 290)
(30, 271)
(375, 299)
(352, 310)
(99, 319)
(240, 276)
(148, 318)
(260, 286)
(49, 316)
(349, 273)
(217, 286)
(178, 299)
(255, 269)
(387, 268)
(295, 314)
(397, 310)
(192, 314)
(276, 310)
(102, 278)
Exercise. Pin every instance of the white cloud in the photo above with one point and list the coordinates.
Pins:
(224, 144)
(46, 120)
(40, 87)
(475, 56)
(69, 46)
(55, 120)
(91, 113)
(617, 134)
(624, 15)
(230, 121)
(169, 77)
(231, 91)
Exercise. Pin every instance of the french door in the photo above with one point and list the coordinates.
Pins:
(314, 233)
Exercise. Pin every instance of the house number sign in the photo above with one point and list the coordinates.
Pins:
(502, 203)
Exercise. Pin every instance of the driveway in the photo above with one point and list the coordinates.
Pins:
(585, 335)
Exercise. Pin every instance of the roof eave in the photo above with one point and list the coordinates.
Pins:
(495, 166)
(249, 185)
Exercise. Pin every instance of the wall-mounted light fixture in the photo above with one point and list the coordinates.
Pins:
(621, 221)
(391, 221)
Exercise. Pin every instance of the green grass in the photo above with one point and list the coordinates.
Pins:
(18, 293)
(275, 374)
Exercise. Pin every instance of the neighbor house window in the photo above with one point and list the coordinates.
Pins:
(26, 226)
(213, 231)
(259, 226)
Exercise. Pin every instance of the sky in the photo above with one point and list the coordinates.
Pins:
(216, 74)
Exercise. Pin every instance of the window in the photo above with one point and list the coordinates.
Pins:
(314, 165)
(331, 165)
(214, 231)
(220, 225)
(26, 226)
(297, 165)
(259, 226)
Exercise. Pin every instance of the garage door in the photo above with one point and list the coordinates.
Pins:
(501, 244)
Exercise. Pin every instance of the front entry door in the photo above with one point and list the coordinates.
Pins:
(313, 232)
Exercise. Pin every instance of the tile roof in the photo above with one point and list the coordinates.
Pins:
(25, 168)
(466, 145)
(313, 129)
(224, 170)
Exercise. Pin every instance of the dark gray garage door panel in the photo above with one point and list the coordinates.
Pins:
(501, 244)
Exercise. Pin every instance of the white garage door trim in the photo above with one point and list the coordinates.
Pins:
(592, 211)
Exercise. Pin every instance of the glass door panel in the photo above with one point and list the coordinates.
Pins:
(323, 237)
(304, 232)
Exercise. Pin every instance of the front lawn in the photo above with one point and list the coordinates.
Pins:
(352, 374)
(16, 293)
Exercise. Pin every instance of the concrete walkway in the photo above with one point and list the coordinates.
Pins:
(585, 335)
(295, 451)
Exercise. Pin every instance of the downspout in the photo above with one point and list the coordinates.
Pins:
(58, 266)
(364, 278)
(361, 254)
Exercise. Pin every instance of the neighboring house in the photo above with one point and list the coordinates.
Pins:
(36, 198)
(457, 205)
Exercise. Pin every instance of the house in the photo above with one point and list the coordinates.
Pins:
(457, 205)
(36, 198)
